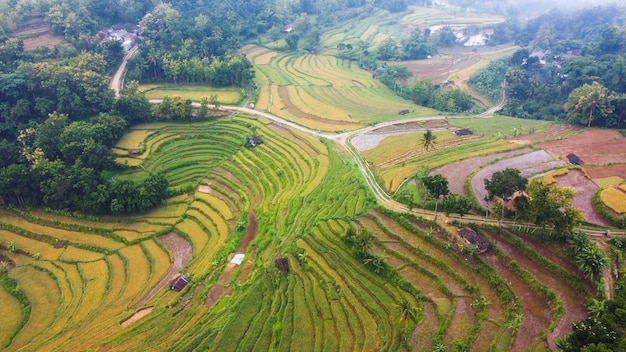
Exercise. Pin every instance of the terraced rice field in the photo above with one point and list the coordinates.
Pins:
(322, 92)
(101, 283)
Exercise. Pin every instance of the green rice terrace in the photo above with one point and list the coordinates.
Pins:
(284, 244)
(85, 283)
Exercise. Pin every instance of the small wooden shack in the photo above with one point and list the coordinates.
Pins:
(179, 283)
(255, 140)
(463, 132)
(282, 264)
(574, 159)
(472, 237)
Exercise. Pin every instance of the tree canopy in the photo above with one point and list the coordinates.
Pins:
(504, 183)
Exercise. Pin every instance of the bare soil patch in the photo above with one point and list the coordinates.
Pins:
(251, 232)
(138, 315)
(216, 292)
(593, 147)
(603, 171)
(536, 310)
(457, 172)
(585, 189)
(529, 164)
(44, 39)
(181, 254)
(204, 189)
(421, 339)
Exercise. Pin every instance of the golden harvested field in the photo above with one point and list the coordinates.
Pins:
(615, 199)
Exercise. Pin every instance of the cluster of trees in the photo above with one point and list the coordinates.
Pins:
(546, 206)
(62, 164)
(76, 20)
(437, 187)
(179, 48)
(58, 124)
(77, 88)
(423, 92)
(416, 47)
(570, 67)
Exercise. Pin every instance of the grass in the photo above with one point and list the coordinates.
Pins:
(606, 182)
(499, 127)
(225, 95)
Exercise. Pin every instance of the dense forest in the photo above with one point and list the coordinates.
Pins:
(570, 67)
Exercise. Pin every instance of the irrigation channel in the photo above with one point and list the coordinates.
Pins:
(343, 139)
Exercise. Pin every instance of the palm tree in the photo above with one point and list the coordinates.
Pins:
(407, 314)
(590, 97)
(596, 307)
(428, 140)
(591, 260)
(153, 60)
(516, 323)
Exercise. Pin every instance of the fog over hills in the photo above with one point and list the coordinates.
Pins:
(531, 8)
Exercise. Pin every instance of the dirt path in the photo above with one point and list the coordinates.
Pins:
(181, 253)
(118, 78)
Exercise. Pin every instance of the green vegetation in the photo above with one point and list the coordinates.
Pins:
(229, 95)
(177, 186)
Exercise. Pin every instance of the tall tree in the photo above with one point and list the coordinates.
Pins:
(589, 100)
(429, 140)
(407, 314)
(552, 206)
(437, 186)
(504, 183)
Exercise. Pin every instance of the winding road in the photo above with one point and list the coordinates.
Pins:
(344, 138)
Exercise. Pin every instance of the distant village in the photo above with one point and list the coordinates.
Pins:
(125, 33)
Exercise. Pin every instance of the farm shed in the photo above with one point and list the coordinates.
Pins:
(472, 237)
(574, 159)
(255, 140)
(179, 283)
(238, 259)
(282, 264)
(463, 132)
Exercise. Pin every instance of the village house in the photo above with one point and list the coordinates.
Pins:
(471, 237)
(118, 32)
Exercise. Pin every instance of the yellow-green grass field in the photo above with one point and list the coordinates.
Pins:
(225, 95)
(614, 198)
(606, 182)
